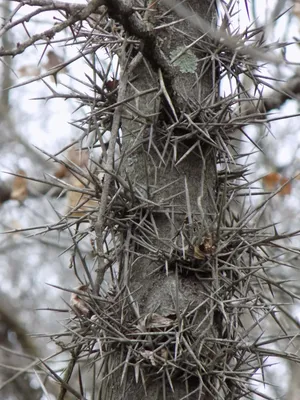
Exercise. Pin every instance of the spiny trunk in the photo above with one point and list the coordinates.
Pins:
(174, 212)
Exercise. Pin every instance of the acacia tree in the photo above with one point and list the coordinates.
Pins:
(187, 261)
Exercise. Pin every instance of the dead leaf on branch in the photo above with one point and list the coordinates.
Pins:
(149, 356)
(79, 303)
(157, 321)
(296, 8)
(206, 248)
(78, 203)
(287, 188)
(29, 71)
(76, 156)
(274, 180)
(19, 188)
(53, 60)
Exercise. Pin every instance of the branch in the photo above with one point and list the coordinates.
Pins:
(109, 166)
(61, 5)
(77, 14)
(126, 15)
(289, 91)
(274, 100)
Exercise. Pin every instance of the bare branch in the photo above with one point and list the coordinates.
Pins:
(77, 14)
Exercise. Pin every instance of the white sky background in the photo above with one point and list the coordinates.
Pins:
(46, 124)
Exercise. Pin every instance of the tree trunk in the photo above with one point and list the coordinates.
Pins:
(173, 174)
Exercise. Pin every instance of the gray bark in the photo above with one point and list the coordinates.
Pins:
(177, 207)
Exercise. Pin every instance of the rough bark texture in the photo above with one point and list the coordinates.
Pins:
(178, 192)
